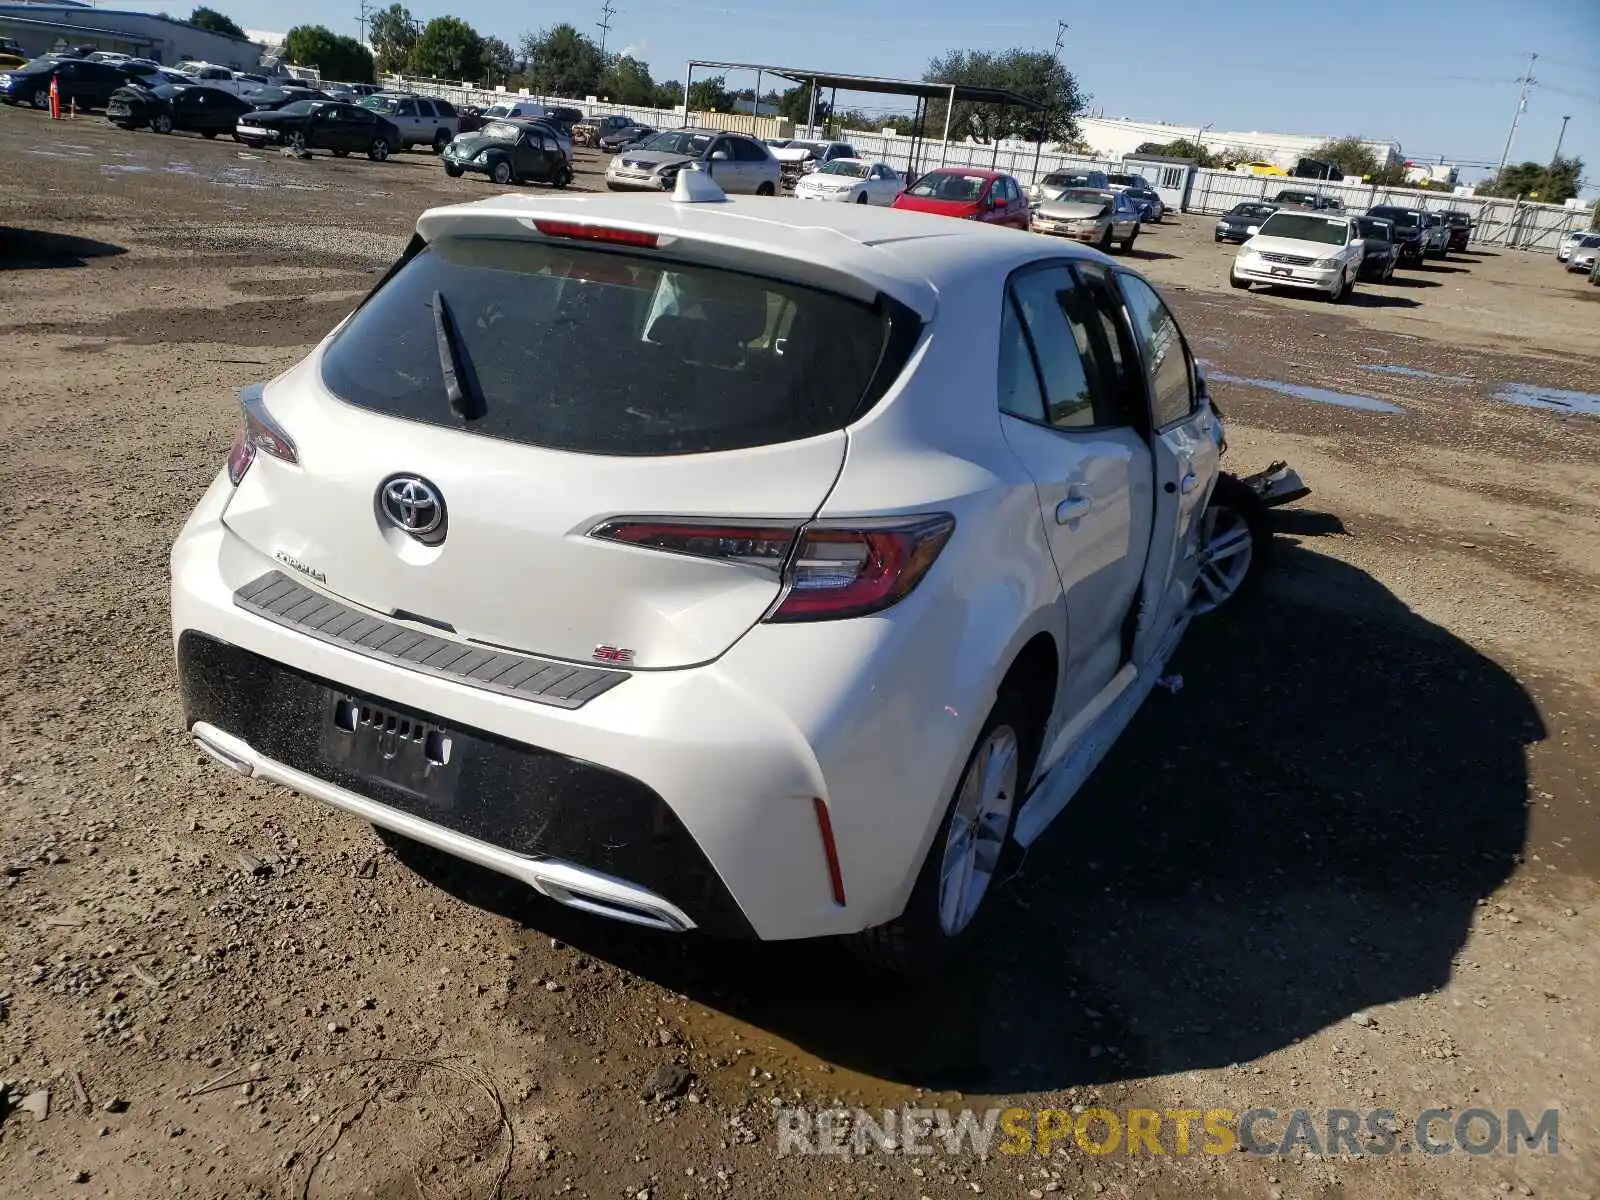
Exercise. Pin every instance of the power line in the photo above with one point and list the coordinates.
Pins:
(604, 24)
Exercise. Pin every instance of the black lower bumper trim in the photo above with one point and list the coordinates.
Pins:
(522, 798)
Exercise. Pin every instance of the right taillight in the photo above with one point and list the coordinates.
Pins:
(830, 569)
(850, 569)
(257, 432)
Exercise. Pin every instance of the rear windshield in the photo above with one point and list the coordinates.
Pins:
(610, 353)
(1400, 216)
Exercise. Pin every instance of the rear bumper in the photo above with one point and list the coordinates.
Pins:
(712, 774)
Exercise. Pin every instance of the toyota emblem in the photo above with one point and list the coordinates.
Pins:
(412, 504)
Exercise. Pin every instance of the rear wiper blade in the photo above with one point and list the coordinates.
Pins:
(464, 399)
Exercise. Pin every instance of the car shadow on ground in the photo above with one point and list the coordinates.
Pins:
(1366, 299)
(34, 249)
(1301, 833)
(1410, 281)
(1139, 252)
(1439, 268)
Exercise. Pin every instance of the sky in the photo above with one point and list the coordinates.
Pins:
(1438, 76)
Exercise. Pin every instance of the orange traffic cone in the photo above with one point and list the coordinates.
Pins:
(55, 99)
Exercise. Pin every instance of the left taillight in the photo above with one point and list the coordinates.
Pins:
(257, 432)
(830, 570)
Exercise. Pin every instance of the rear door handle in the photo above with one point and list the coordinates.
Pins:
(1073, 508)
(1188, 483)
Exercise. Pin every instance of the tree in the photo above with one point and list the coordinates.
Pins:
(1178, 148)
(1029, 73)
(210, 19)
(392, 32)
(669, 94)
(796, 105)
(1552, 183)
(627, 81)
(337, 57)
(499, 60)
(447, 48)
(1350, 154)
(710, 95)
(562, 62)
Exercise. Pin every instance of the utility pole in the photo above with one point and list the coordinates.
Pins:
(1561, 137)
(1522, 102)
(604, 24)
(364, 9)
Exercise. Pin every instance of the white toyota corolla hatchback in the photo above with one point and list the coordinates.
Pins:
(765, 569)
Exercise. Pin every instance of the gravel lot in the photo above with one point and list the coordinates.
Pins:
(1351, 863)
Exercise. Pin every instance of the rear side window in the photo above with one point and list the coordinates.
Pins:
(1167, 362)
(611, 353)
(444, 108)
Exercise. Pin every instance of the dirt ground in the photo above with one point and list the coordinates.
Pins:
(1352, 863)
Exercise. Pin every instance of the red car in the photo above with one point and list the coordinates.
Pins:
(968, 192)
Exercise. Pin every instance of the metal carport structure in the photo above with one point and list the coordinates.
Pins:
(920, 90)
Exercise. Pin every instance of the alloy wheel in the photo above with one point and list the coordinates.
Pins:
(296, 141)
(1226, 552)
(978, 828)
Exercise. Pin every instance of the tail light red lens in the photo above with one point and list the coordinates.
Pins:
(851, 570)
(830, 570)
(257, 432)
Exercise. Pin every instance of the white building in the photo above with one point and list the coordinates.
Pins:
(1113, 137)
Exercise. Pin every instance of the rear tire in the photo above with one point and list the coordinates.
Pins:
(440, 141)
(952, 896)
(378, 151)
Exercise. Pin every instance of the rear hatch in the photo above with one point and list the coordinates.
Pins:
(600, 385)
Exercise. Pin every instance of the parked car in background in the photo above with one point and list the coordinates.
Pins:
(1152, 208)
(565, 116)
(422, 121)
(595, 130)
(321, 125)
(1380, 254)
(1408, 230)
(521, 110)
(11, 62)
(851, 181)
(738, 162)
(1085, 215)
(79, 82)
(194, 109)
(1268, 169)
(1057, 181)
(223, 78)
(628, 135)
(1460, 230)
(1583, 254)
(1301, 198)
(1236, 225)
(278, 96)
(357, 90)
(1306, 250)
(1436, 234)
(1594, 273)
(972, 193)
(1568, 242)
(10, 45)
(846, 614)
(801, 156)
(510, 152)
(1120, 182)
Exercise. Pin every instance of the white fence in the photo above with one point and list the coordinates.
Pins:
(1509, 223)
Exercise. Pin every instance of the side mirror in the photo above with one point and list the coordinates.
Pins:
(719, 156)
(1252, 230)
